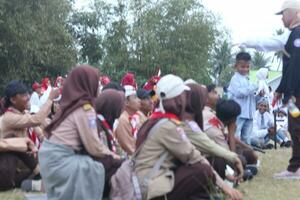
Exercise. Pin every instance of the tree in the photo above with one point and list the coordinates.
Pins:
(34, 39)
(279, 54)
(116, 42)
(259, 60)
(177, 37)
(222, 58)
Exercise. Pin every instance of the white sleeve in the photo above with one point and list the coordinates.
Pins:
(45, 96)
(239, 91)
(273, 43)
(34, 99)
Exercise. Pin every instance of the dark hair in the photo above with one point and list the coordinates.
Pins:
(196, 100)
(243, 56)
(13, 88)
(227, 110)
(210, 87)
(1, 106)
(113, 85)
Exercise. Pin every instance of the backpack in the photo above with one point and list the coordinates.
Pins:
(125, 184)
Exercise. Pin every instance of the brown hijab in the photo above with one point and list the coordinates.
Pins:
(80, 87)
(175, 106)
(196, 100)
(110, 104)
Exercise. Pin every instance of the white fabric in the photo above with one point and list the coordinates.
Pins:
(282, 123)
(129, 90)
(270, 43)
(258, 132)
(45, 96)
(168, 87)
(34, 109)
(190, 81)
(292, 4)
(242, 91)
(261, 76)
(34, 102)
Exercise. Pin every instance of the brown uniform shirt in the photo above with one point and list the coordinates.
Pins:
(214, 128)
(79, 131)
(204, 144)
(124, 134)
(170, 137)
(16, 124)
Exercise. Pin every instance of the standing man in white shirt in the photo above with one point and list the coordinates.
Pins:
(35, 98)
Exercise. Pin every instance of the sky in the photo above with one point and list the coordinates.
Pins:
(247, 18)
(244, 19)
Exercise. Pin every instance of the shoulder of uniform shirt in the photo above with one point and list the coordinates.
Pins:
(297, 29)
(295, 33)
(177, 122)
(87, 107)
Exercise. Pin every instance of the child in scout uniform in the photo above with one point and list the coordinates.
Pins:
(130, 121)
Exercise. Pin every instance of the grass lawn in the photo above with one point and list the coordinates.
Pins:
(12, 195)
(262, 187)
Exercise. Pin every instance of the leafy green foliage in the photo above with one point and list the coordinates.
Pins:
(222, 63)
(259, 60)
(34, 39)
(45, 38)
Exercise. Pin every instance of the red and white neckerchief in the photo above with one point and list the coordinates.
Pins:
(134, 121)
(110, 136)
(33, 137)
(31, 134)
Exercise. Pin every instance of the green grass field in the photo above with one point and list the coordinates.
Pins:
(262, 187)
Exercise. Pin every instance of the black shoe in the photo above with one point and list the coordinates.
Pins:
(247, 175)
(252, 168)
(268, 146)
(288, 143)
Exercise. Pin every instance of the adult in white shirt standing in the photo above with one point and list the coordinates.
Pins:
(35, 98)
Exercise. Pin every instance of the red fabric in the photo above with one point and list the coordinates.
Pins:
(104, 80)
(134, 121)
(35, 86)
(58, 82)
(45, 83)
(215, 122)
(159, 115)
(129, 79)
(33, 137)
(151, 83)
(110, 136)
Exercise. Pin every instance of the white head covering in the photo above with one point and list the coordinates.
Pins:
(168, 87)
(129, 90)
(291, 4)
